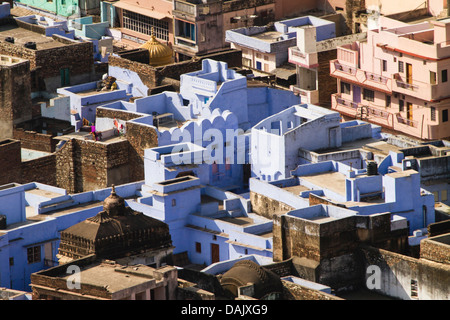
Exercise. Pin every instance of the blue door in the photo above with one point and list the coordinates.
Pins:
(258, 65)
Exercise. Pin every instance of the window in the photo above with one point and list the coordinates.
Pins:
(388, 100)
(436, 196)
(432, 77)
(266, 57)
(414, 289)
(433, 113)
(345, 87)
(369, 95)
(444, 75)
(65, 77)
(198, 247)
(401, 67)
(174, 202)
(401, 105)
(143, 24)
(444, 195)
(384, 65)
(34, 254)
(445, 115)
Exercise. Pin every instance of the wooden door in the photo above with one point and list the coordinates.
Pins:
(409, 73)
(409, 111)
(215, 254)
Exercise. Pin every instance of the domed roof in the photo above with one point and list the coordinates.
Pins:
(246, 272)
(115, 231)
(159, 53)
(114, 205)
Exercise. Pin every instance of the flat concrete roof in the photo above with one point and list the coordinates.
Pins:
(334, 181)
(22, 36)
(268, 36)
(115, 276)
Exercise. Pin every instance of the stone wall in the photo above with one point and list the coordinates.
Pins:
(292, 291)
(140, 137)
(408, 278)
(47, 63)
(154, 76)
(266, 206)
(65, 166)
(436, 249)
(84, 165)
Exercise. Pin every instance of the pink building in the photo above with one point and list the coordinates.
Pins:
(136, 18)
(398, 78)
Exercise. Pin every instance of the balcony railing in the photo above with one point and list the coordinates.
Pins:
(346, 103)
(190, 9)
(309, 60)
(375, 77)
(406, 85)
(344, 68)
(408, 122)
(297, 53)
(185, 7)
(378, 113)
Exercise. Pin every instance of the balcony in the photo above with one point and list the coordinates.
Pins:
(346, 72)
(188, 9)
(307, 96)
(408, 122)
(308, 60)
(344, 106)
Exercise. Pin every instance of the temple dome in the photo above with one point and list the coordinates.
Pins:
(159, 53)
(116, 231)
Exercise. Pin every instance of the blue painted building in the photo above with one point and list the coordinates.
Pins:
(35, 216)
(361, 190)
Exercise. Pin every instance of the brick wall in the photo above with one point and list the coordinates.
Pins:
(37, 170)
(328, 84)
(10, 158)
(42, 170)
(15, 99)
(34, 140)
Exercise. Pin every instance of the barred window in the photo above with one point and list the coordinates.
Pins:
(433, 113)
(143, 24)
(368, 95)
(34, 254)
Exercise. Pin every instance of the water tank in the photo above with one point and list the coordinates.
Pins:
(30, 45)
(9, 39)
(372, 168)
